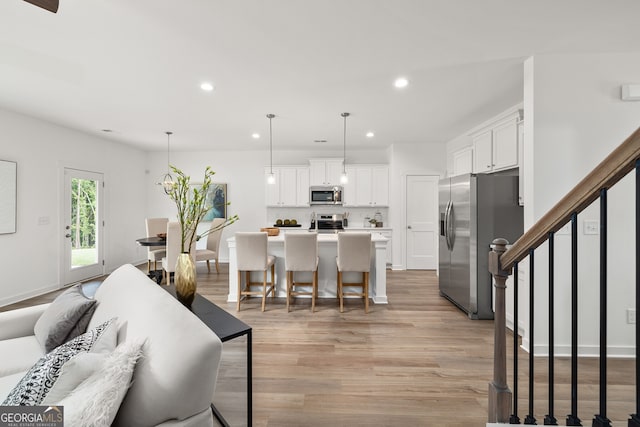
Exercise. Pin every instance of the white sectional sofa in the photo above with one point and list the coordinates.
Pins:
(173, 381)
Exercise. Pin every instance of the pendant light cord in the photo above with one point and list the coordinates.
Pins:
(168, 152)
(270, 117)
(344, 145)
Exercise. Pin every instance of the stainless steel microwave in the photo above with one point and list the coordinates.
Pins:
(325, 195)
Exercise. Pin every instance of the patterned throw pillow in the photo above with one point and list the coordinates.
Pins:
(37, 382)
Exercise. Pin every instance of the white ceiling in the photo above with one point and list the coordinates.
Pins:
(135, 66)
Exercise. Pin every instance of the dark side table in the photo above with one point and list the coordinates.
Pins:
(226, 327)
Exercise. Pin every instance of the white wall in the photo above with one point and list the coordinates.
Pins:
(407, 159)
(573, 118)
(42, 150)
(30, 257)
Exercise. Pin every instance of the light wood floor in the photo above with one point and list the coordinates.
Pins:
(417, 361)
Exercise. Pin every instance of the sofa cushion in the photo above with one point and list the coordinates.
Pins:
(19, 354)
(38, 380)
(66, 318)
(176, 377)
(96, 400)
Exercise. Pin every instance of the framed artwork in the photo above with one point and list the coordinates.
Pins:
(215, 201)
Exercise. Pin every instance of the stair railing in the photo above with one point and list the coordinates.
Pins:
(502, 260)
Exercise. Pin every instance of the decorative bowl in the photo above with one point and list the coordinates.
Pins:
(271, 231)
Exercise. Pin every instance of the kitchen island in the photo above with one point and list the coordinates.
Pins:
(327, 274)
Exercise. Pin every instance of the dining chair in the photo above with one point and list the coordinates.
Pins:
(301, 255)
(354, 255)
(173, 250)
(251, 255)
(212, 250)
(154, 227)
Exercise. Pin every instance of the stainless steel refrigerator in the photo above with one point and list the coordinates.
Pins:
(474, 210)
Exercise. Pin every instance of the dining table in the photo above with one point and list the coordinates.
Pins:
(155, 242)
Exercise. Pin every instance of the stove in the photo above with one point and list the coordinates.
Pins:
(327, 223)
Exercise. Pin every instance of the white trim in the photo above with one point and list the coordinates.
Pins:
(403, 215)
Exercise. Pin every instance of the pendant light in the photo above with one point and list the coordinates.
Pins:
(271, 178)
(344, 178)
(167, 182)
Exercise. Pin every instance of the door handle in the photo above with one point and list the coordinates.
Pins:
(67, 235)
(409, 227)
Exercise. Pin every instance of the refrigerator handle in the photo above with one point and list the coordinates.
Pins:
(451, 229)
(446, 224)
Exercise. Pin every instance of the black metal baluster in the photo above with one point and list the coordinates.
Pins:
(530, 419)
(572, 419)
(549, 419)
(514, 419)
(601, 419)
(634, 421)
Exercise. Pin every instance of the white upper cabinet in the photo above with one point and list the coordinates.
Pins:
(302, 183)
(325, 171)
(368, 186)
(463, 161)
(495, 147)
(505, 145)
(291, 187)
(482, 147)
(380, 190)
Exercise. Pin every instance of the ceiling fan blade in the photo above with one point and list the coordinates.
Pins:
(50, 5)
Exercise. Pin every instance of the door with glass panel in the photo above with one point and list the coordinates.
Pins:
(82, 226)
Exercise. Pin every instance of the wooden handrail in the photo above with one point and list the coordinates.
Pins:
(611, 170)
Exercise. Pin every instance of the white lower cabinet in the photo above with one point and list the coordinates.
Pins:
(388, 234)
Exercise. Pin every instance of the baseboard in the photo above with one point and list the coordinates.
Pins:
(24, 296)
(618, 352)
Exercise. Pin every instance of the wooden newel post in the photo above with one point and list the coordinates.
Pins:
(499, 393)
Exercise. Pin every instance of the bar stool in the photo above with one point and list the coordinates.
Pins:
(251, 255)
(354, 255)
(301, 254)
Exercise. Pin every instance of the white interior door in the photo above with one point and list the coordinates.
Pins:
(422, 222)
(82, 226)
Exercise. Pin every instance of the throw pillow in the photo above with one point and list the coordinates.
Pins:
(95, 402)
(66, 318)
(38, 380)
(73, 373)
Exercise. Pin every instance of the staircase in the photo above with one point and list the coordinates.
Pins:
(504, 259)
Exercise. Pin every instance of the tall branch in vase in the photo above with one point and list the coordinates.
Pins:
(191, 206)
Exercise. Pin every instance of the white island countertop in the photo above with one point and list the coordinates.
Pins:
(322, 237)
(327, 280)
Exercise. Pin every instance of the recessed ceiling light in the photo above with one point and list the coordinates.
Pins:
(370, 134)
(319, 141)
(107, 130)
(401, 82)
(255, 135)
(206, 86)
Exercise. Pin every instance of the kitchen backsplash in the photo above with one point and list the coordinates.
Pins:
(356, 216)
